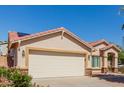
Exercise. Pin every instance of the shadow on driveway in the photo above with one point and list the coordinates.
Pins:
(111, 77)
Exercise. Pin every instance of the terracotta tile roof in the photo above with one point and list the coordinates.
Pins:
(110, 46)
(97, 42)
(13, 36)
(107, 47)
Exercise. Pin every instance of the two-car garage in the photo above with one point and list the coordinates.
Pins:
(44, 64)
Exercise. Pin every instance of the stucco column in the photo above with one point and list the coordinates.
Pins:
(105, 64)
(115, 68)
(116, 62)
(100, 62)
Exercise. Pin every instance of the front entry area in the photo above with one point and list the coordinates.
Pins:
(111, 62)
(44, 64)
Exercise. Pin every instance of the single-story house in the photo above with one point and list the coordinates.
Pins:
(59, 53)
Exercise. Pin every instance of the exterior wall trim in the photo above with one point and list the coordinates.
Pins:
(96, 68)
(56, 50)
(52, 32)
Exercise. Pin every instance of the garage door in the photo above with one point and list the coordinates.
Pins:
(53, 64)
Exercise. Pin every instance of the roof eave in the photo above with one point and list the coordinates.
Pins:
(119, 50)
(56, 30)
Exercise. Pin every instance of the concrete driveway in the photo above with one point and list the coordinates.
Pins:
(84, 81)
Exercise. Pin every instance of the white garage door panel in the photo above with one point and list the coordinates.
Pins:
(55, 65)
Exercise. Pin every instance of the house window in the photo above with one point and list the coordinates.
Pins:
(95, 61)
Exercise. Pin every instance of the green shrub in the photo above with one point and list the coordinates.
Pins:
(16, 78)
(3, 72)
(20, 80)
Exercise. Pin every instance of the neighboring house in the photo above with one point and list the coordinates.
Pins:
(3, 48)
(58, 53)
(3, 54)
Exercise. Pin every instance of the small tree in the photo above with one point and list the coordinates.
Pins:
(121, 57)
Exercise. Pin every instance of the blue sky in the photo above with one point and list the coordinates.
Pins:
(90, 23)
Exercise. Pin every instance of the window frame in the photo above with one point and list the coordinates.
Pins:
(95, 64)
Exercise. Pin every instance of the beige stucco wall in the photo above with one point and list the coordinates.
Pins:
(97, 52)
(98, 47)
(111, 50)
(53, 41)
